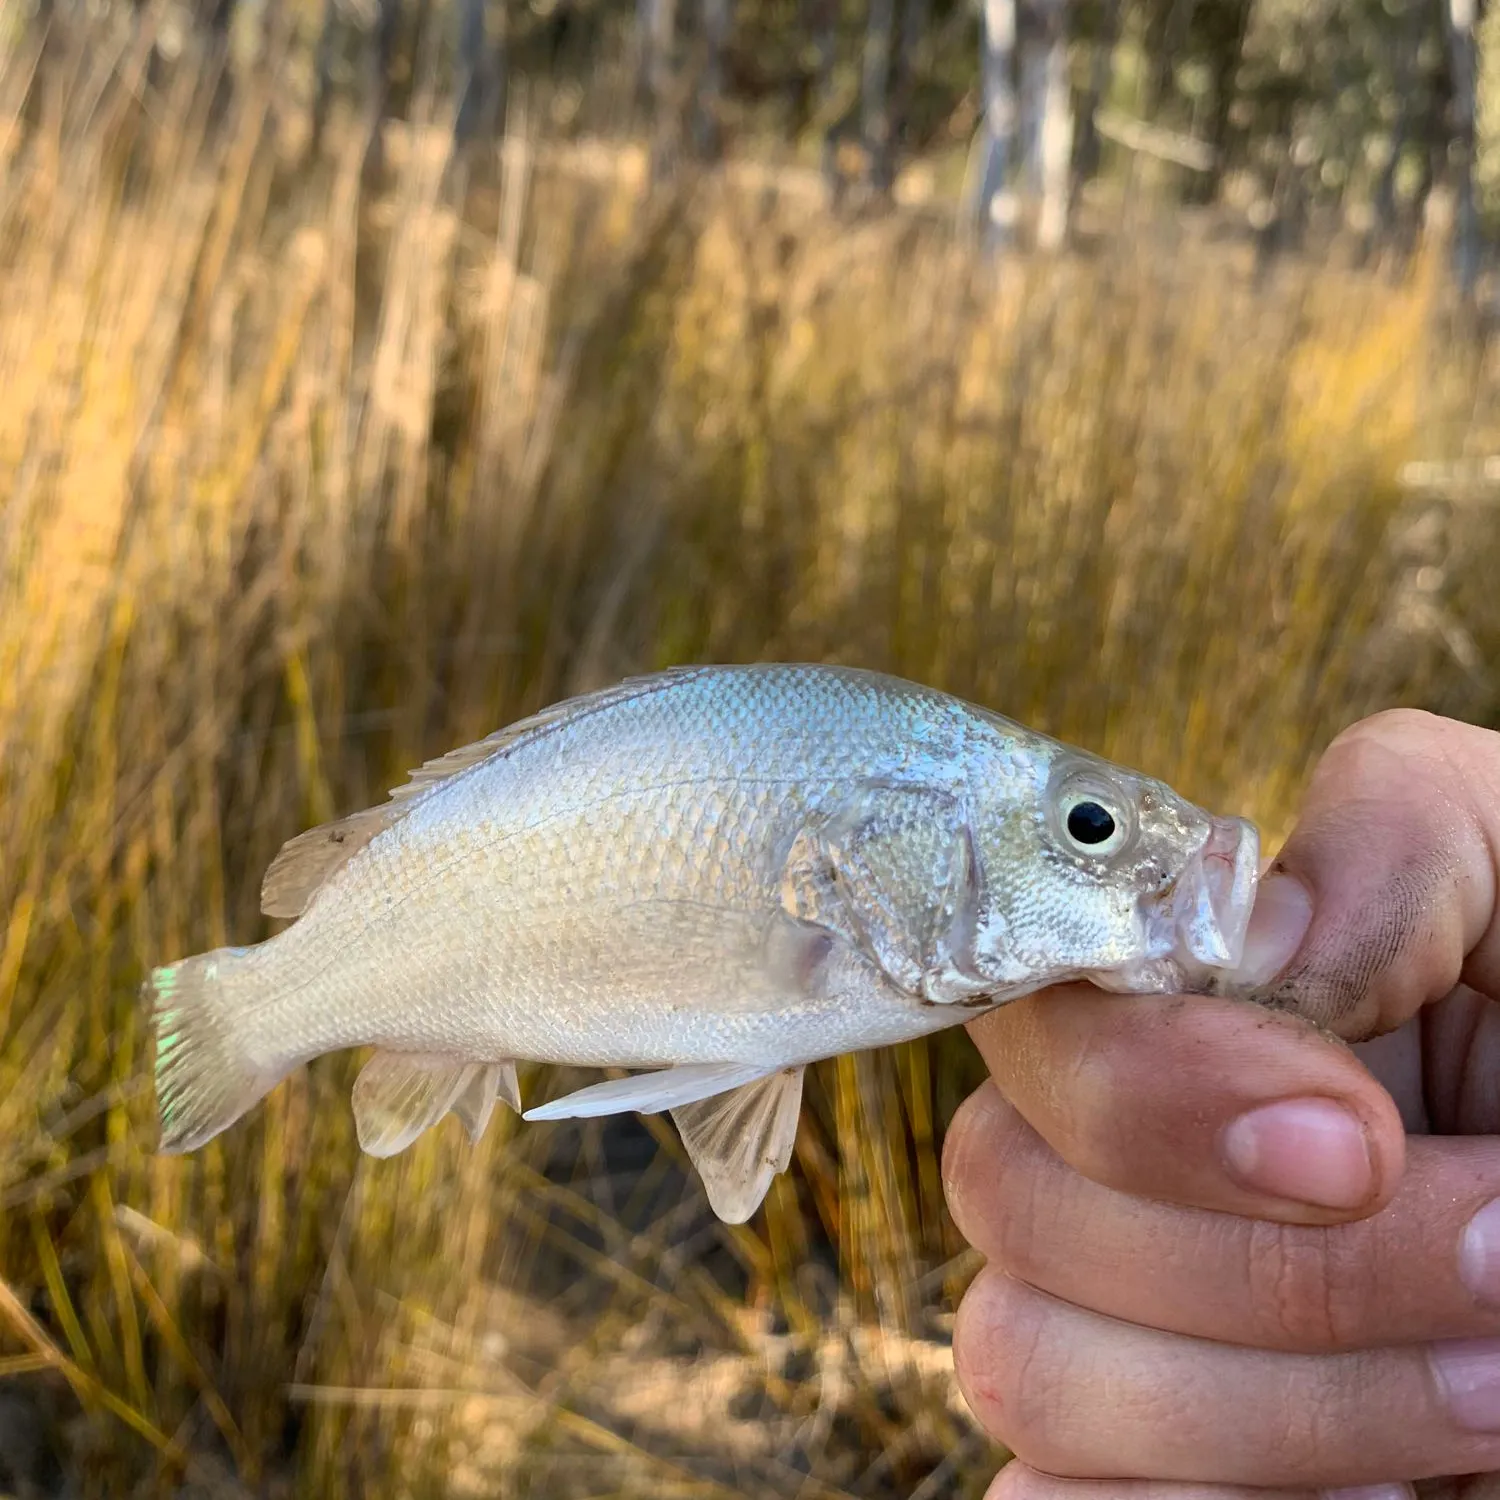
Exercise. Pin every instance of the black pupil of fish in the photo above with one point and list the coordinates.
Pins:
(1089, 823)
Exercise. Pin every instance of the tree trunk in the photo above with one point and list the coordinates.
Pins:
(380, 49)
(909, 43)
(834, 120)
(1054, 127)
(1407, 35)
(1086, 147)
(379, 56)
(1461, 17)
(1031, 67)
(470, 69)
(480, 73)
(220, 15)
(1166, 32)
(996, 202)
(661, 42)
(641, 58)
(708, 110)
(1230, 20)
(875, 121)
(328, 39)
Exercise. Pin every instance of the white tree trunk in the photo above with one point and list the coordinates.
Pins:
(1461, 17)
(997, 203)
(1054, 131)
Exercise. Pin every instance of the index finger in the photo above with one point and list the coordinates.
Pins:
(1211, 1103)
(1397, 845)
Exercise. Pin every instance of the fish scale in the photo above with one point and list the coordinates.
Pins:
(720, 874)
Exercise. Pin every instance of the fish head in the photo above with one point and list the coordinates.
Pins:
(1128, 885)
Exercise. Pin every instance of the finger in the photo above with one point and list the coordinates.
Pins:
(1460, 1063)
(1426, 1267)
(1017, 1481)
(1397, 844)
(1216, 1103)
(1076, 1394)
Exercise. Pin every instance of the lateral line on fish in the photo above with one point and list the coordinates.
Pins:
(440, 868)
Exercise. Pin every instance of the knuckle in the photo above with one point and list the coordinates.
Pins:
(1315, 1418)
(1380, 747)
(988, 1178)
(1092, 1095)
(1393, 725)
(1307, 1286)
(969, 1149)
(1008, 1367)
(964, 1146)
(1017, 1481)
(1383, 748)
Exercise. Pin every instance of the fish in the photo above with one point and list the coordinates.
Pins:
(708, 877)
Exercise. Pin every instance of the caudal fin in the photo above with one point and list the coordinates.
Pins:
(204, 1078)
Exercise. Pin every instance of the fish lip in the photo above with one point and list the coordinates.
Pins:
(1213, 896)
(1193, 926)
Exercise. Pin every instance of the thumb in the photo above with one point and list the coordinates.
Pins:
(1395, 853)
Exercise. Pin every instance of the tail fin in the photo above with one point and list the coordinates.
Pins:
(205, 1079)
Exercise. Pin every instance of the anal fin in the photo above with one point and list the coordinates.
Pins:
(475, 1104)
(398, 1095)
(740, 1140)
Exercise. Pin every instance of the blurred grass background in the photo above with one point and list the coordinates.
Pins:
(307, 479)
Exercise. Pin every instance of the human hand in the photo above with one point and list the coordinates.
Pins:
(1228, 1255)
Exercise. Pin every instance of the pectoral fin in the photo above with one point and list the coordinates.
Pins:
(650, 1093)
(740, 1140)
(398, 1095)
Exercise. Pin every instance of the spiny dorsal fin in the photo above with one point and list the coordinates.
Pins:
(306, 863)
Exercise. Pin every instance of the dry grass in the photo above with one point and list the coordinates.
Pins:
(303, 485)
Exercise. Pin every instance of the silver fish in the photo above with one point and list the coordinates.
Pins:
(717, 874)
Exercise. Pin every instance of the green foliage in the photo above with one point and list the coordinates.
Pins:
(1336, 88)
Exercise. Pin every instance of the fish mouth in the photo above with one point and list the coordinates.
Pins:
(1212, 898)
(1195, 929)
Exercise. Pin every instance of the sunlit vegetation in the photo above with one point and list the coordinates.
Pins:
(304, 482)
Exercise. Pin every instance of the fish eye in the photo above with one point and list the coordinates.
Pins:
(1090, 823)
(1093, 822)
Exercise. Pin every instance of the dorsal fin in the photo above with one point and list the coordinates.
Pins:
(552, 717)
(306, 863)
